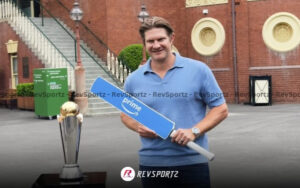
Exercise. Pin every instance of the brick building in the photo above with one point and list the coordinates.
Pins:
(252, 45)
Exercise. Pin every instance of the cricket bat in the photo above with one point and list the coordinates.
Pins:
(142, 113)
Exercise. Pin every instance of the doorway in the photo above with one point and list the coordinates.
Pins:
(30, 7)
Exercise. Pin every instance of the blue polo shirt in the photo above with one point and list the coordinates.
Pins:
(182, 96)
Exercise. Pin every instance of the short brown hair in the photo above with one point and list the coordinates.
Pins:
(155, 22)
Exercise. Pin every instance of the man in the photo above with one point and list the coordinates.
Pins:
(179, 88)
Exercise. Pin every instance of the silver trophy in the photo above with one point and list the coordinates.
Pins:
(70, 121)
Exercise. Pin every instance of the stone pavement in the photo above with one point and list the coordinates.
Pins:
(254, 147)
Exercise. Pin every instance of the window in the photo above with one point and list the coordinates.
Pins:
(14, 71)
(25, 67)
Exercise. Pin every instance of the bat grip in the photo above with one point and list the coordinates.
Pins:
(210, 156)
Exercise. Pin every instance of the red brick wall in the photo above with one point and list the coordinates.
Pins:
(122, 23)
(115, 22)
(23, 51)
(284, 80)
(242, 45)
(222, 59)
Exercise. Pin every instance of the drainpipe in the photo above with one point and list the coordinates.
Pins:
(236, 87)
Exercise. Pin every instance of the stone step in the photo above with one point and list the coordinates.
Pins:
(99, 105)
(95, 99)
(93, 76)
(107, 113)
(89, 85)
(96, 71)
(89, 81)
(102, 110)
(92, 67)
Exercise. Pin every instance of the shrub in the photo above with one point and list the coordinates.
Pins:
(25, 90)
(132, 56)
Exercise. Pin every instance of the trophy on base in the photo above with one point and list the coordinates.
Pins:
(70, 121)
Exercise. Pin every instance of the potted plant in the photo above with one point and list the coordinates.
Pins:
(20, 96)
(25, 96)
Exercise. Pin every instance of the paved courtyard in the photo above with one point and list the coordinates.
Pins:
(254, 147)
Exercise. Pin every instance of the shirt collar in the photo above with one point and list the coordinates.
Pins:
(178, 64)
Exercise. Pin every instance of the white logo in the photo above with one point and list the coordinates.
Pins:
(132, 105)
(127, 173)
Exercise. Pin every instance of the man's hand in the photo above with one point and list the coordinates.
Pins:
(137, 127)
(146, 132)
(183, 136)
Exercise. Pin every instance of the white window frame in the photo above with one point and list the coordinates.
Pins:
(14, 75)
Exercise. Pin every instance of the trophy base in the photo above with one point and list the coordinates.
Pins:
(71, 172)
(89, 180)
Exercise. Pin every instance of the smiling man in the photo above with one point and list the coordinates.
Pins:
(163, 78)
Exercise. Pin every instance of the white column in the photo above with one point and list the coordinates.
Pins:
(1, 10)
(32, 8)
(9, 10)
(117, 67)
(108, 60)
(5, 9)
(121, 72)
(112, 64)
(125, 74)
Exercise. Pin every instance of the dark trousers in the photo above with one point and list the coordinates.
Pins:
(190, 176)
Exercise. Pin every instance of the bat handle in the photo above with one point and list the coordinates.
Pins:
(210, 156)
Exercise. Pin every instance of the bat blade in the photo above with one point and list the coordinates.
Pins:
(133, 107)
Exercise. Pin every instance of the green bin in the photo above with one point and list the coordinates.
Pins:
(50, 91)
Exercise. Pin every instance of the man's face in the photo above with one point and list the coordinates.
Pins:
(158, 44)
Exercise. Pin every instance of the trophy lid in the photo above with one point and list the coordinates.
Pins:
(68, 109)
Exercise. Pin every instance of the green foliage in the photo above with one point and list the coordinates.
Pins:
(25, 90)
(132, 56)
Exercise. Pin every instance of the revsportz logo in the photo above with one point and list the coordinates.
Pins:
(131, 107)
(127, 173)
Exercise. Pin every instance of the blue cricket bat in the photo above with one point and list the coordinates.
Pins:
(142, 113)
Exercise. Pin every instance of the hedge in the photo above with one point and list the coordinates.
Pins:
(25, 90)
(132, 56)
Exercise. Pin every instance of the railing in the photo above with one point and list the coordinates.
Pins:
(43, 48)
(99, 47)
(117, 69)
